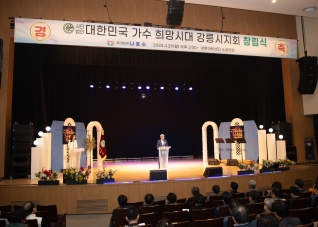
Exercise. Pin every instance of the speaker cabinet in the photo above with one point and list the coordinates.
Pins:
(232, 162)
(309, 148)
(291, 153)
(308, 66)
(22, 138)
(23, 129)
(213, 162)
(213, 172)
(284, 129)
(175, 12)
(307, 84)
(158, 175)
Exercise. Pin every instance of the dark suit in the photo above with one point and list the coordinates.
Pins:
(159, 143)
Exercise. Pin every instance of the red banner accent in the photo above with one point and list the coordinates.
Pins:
(102, 147)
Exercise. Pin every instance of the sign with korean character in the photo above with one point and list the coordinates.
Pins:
(149, 38)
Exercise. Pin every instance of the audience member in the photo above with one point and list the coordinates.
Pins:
(268, 202)
(281, 211)
(31, 210)
(198, 202)
(277, 194)
(240, 215)
(299, 183)
(215, 190)
(294, 194)
(122, 201)
(267, 221)
(149, 198)
(227, 199)
(232, 204)
(195, 191)
(276, 184)
(165, 222)
(18, 218)
(314, 194)
(253, 197)
(251, 187)
(172, 198)
(234, 187)
(132, 216)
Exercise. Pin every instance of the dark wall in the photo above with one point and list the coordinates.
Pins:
(52, 83)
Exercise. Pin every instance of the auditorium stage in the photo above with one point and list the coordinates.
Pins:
(132, 179)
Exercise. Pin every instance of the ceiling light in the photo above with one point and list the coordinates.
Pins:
(309, 9)
(273, 1)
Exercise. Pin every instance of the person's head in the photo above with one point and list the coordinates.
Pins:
(252, 184)
(165, 222)
(149, 199)
(240, 214)
(234, 186)
(253, 196)
(299, 183)
(19, 215)
(30, 207)
(267, 221)
(233, 204)
(122, 200)
(227, 197)
(315, 188)
(195, 191)
(216, 189)
(198, 199)
(162, 136)
(294, 191)
(132, 214)
(277, 184)
(171, 197)
(280, 209)
(268, 202)
(277, 193)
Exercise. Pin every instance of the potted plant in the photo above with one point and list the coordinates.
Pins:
(72, 176)
(246, 168)
(47, 177)
(267, 166)
(283, 164)
(104, 176)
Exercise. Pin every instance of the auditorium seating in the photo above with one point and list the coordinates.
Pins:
(243, 201)
(150, 209)
(308, 225)
(2, 223)
(256, 208)
(176, 216)
(44, 215)
(238, 195)
(305, 194)
(136, 204)
(217, 203)
(150, 218)
(160, 202)
(304, 214)
(6, 215)
(32, 222)
(184, 200)
(5, 209)
(57, 224)
(301, 203)
(181, 224)
(208, 222)
(202, 214)
(52, 211)
(176, 207)
(119, 217)
(224, 211)
(15, 207)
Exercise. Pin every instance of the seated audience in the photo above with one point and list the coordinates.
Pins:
(268, 202)
(31, 210)
(232, 204)
(215, 190)
(253, 197)
(277, 194)
(172, 199)
(227, 199)
(281, 211)
(165, 222)
(240, 217)
(122, 201)
(251, 187)
(314, 194)
(276, 184)
(198, 202)
(267, 221)
(132, 216)
(299, 183)
(149, 198)
(234, 187)
(294, 194)
(18, 218)
(195, 191)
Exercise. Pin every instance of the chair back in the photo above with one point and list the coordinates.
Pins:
(184, 200)
(208, 213)
(208, 204)
(119, 217)
(251, 217)
(176, 207)
(301, 203)
(217, 203)
(6, 215)
(51, 209)
(32, 222)
(57, 224)
(255, 208)
(150, 209)
(151, 218)
(15, 207)
(5, 209)
(286, 191)
(45, 216)
(216, 197)
(176, 216)
(208, 222)
(243, 201)
(224, 211)
(62, 220)
(304, 214)
(315, 206)
(159, 202)
(2, 223)
(181, 224)
(230, 221)
(305, 194)
(136, 204)
(238, 195)
(286, 196)
(316, 215)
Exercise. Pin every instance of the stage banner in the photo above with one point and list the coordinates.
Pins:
(237, 132)
(40, 31)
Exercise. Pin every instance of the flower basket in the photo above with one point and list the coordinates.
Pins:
(77, 176)
(245, 172)
(48, 182)
(74, 182)
(269, 170)
(102, 181)
(282, 169)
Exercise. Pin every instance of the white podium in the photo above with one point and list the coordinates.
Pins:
(75, 158)
(163, 157)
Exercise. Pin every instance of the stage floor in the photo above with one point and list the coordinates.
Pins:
(132, 171)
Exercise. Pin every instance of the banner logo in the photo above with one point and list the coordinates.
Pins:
(40, 31)
(110, 42)
(281, 48)
(68, 28)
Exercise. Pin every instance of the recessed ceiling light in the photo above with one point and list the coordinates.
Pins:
(309, 9)
(273, 1)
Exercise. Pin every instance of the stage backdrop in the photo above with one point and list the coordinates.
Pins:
(52, 82)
